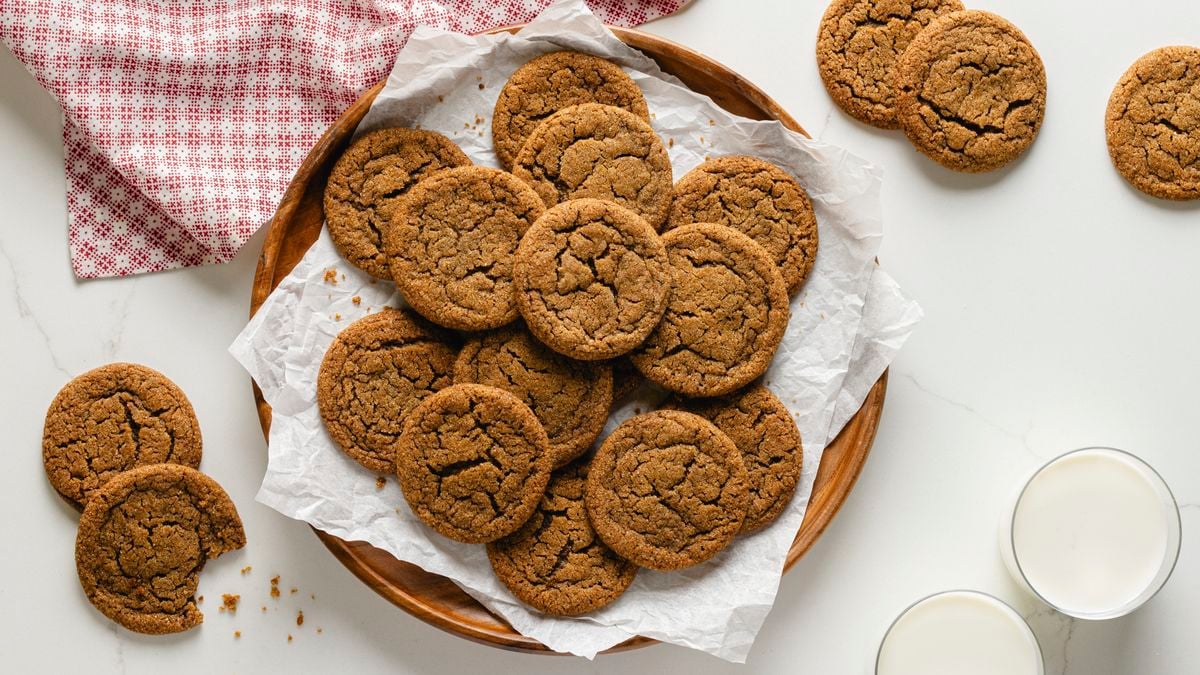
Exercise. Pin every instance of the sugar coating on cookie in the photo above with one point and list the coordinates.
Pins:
(554, 81)
(143, 539)
(592, 279)
(473, 462)
(570, 398)
(757, 199)
(370, 178)
(555, 563)
(971, 91)
(1153, 123)
(858, 44)
(451, 246)
(373, 374)
(667, 490)
(112, 419)
(727, 313)
(598, 151)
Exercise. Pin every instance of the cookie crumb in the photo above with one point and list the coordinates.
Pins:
(246, 570)
(480, 86)
(701, 139)
(441, 98)
(289, 637)
(337, 316)
(313, 596)
(199, 599)
(300, 618)
(331, 276)
(294, 591)
(357, 300)
(264, 609)
(275, 586)
(712, 123)
(237, 634)
(230, 602)
(320, 630)
(380, 481)
(670, 142)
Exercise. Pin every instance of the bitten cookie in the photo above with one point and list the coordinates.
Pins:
(758, 199)
(598, 151)
(555, 563)
(570, 398)
(552, 82)
(1153, 123)
(370, 178)
(971, 91)
(858, 44)
(764, 432)
(143, 539)
(374, 373)
(727, 313)
(112, 419)
(592, 279)
(667, 490)
(451, 246)
(473, 462)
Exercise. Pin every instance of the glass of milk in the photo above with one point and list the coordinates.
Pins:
(1094, 533)
(957, 633)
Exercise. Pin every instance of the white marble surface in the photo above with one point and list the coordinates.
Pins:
(1060, 312)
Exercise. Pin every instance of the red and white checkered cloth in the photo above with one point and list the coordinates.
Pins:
(184, 120)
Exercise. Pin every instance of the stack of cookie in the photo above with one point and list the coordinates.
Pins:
(540, 296)
(121, 444)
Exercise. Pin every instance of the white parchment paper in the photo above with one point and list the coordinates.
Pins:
(847, 324)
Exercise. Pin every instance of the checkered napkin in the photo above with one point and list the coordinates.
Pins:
(184, 120)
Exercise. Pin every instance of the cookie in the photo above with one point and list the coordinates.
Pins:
(764, 432)
(727, 313)
(473, 462)
(570, 398)
(598, 151)
(143, 539)
(971, 91)
(591, 279)
(667, 490)
(858, 44)
(374, 373)
(369, 179)
(112, 419)
(759, 200)
(555, 563)
(550, 83)
(1153, 123)
(451, 246)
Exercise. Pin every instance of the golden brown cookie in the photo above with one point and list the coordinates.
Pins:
(451, 246)
(552, 82)
(667, 490)
(592, 279)
(971, 91)
(758, 199)
(369, 179)
(112, 419)
(727, 314)
(143, 539)
(555, 563)
(374, 373)
(473, 462)
(598, 151)
(570, 398)
(1153, 123)
(764, 432)
(858, 44)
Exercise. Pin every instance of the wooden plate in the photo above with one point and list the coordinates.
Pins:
(435, 599)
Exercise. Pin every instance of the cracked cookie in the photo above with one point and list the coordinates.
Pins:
(555, 563)
(570, 398)
(764, 432)
(451, 246)
(1153, 123)
(591, 279)
(598, 151)
(370, 178)
(143, 539)
(758, 199)
(550, 83)
(858, 44)
(473, 462)
(667, 490)
(374, 373)
(727, 313)
(971, 91)
(112, 419)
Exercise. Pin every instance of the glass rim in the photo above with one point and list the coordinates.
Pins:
(1123, 609)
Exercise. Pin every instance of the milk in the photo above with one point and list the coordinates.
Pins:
(957, 633)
